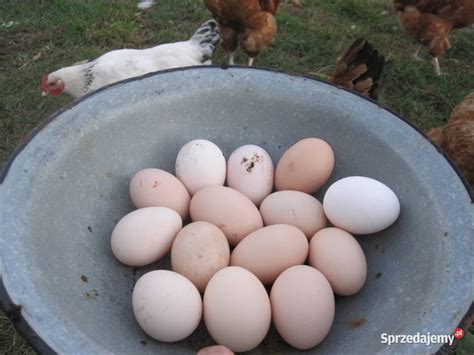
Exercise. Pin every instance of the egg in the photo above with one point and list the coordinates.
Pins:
(215, 350)
(198, 252)
(145, 235)
(302, 306)
(340, 258)
(305, 166)
(361, 205)
(228, 209)
(200, 163)
(167, 306)
(250, 171)
(295, 208)
(269, 251)
(158, 188)
(237, 310)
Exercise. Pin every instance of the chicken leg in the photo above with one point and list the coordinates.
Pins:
(436, 66)
(229, 41)
(417, 51)
(231, 58)
(251, 61)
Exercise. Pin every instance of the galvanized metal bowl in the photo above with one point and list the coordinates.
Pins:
(63, 191)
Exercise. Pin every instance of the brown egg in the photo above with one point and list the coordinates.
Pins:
(295, 208)
(158, 188)
(228, 209)
(340, 258)
(302, 306)
(305, 166)
(269, 251)
(199, 251)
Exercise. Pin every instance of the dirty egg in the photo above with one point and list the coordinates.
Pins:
(250, 171)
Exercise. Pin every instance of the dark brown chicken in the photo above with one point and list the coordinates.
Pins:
(456, 138)
(430, 22)
(250, 23)
(359, 69)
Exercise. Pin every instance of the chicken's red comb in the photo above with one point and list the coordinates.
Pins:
(44, 82)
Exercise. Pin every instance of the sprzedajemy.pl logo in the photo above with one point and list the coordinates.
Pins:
(419, 338)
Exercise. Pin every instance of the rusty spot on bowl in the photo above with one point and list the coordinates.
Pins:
(356, 323)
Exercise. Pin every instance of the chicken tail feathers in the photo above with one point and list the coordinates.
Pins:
(360, 68)
(207, 36)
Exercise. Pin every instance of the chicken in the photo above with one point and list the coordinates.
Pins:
(459, 12)
(456, 138)
(78, 80)
(359, 69)
(429, 30)
(250, 23)
(430, 22)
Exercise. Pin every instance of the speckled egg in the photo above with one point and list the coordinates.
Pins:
(199, 251)
(250, 171)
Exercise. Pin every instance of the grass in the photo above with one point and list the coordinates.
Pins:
(47, 35)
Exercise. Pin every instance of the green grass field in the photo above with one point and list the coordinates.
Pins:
(37, 37)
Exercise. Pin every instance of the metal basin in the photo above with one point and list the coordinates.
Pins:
(63, 191)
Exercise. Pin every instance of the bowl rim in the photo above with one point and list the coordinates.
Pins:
(13, 311)
(43, 123)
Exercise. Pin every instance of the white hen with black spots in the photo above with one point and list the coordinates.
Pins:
(78, 80)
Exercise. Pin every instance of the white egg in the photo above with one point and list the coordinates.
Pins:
(361, 205)
(250, 171)
(200, 163)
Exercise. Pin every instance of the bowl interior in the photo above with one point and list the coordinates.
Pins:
(67, 188)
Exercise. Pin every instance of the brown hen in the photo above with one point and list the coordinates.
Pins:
(459, 12)
(456, 138)
(250, 23)
(430, 22)
(359, 69)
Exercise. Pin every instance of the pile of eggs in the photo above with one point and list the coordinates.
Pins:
(243, 238)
